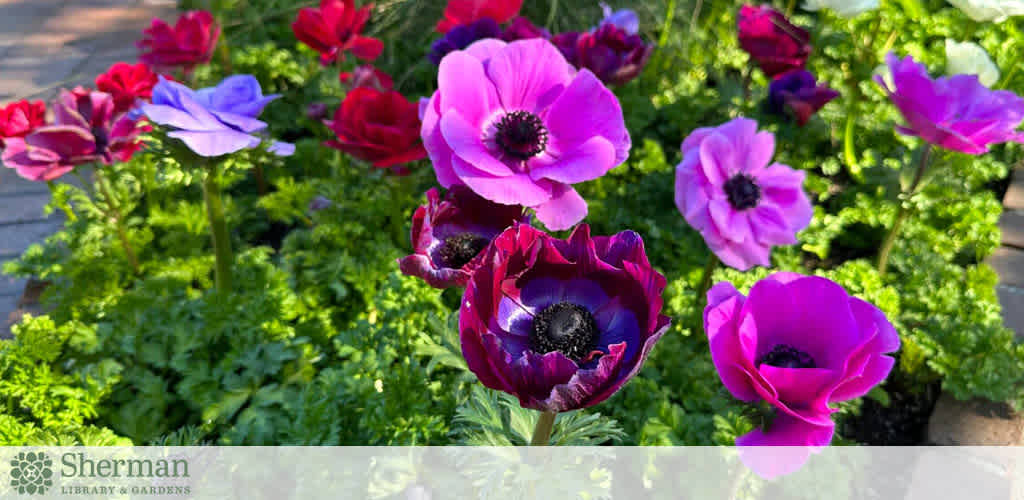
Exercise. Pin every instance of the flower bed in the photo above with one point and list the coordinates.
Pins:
(311, 318)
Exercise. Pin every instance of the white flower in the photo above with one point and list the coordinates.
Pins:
(990, 10)
(969, 58)
(845, 8)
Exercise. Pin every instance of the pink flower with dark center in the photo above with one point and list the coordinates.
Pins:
(742, 206)
(956, 112)
(519, 125)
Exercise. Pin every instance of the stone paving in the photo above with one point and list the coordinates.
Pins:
(46, 45)
(1009, 260)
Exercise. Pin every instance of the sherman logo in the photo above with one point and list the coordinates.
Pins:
(34, 473)
(31, 473)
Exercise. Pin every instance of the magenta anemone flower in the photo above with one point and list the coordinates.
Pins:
(518, 125)
(85, 130)
(741, 205)
(561, 324)
(448, 234)
(956, 112)
(798, 343)
(798, 94)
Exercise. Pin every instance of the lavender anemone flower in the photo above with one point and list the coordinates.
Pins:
(741, 205)
(799, 95)
(448, 234)
(626, 19)
(214, 121)
(799, 343)
(957, 112)
(615, 56)
(518, 125)
(463, 36)
(85, 130)
(561, 324)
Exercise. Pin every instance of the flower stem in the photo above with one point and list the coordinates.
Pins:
(64, 206)
(542, 432)
(114, 211)
(705, 282)
(218, 229)
(904, 212)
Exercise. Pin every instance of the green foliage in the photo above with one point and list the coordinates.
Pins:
(326, 343)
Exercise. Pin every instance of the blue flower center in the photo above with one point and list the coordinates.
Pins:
(564, 327)
(742, 191)
(787, 356)
(521, 134)
(458, 250)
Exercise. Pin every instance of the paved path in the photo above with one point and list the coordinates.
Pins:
(1009, 259)
(46, 45)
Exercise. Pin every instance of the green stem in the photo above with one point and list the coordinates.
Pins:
(114, 212)
(542, 432)
(666, 27)
(705, 283)
(218, 229)
(64, 207)
(904, 212)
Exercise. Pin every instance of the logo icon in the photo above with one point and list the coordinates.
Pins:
(31, 473)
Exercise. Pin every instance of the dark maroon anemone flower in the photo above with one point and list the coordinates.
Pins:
(447, 234)
(561, 324)
(614, 55)
(798, 94)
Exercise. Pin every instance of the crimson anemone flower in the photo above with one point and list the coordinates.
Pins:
(128, 84)
(773, 42)
(187, 44)
(85, 130)
(20, 118)
(447, 234)
(334, 28)
(561, 324)
(957, 112)
(459, 12)
(366, 76)
(381, 127)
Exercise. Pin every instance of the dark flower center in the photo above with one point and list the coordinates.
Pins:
(787, 356)
(458, 250)
(564, 327)
(743, 193)
(521, 134)
(102, 140)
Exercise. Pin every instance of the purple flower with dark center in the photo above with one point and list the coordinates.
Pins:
(798, 94)
(214, 121)
(798, 343)
(463, 36)
(956, 112)
(86, 129)
(625, 19)
(741, 205)
(518, 125)
(448, 234)
(615, 56)
(522, 28)
(561, 324)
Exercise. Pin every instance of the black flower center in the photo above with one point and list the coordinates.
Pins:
(743, 193)
(521, 134)
(564, 327)
(787, 356)
(102, 140)
(458, 250)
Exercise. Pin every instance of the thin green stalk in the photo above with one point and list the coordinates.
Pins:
(218, 229)
(666, 27)
(551, 15)
(542, 432)
(705, 284)
(904, 212)
(114, 212)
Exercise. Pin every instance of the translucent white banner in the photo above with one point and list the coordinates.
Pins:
(434, 473)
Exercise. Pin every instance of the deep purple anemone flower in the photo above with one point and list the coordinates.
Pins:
(614, 55)
(518, 125)
(86, 129)
(799, 343)
(448, 234)
(956, 112)
(799, 95)
(463, 36)
(521, 28)
(561, 324)
(214, 121)
(743, 206)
